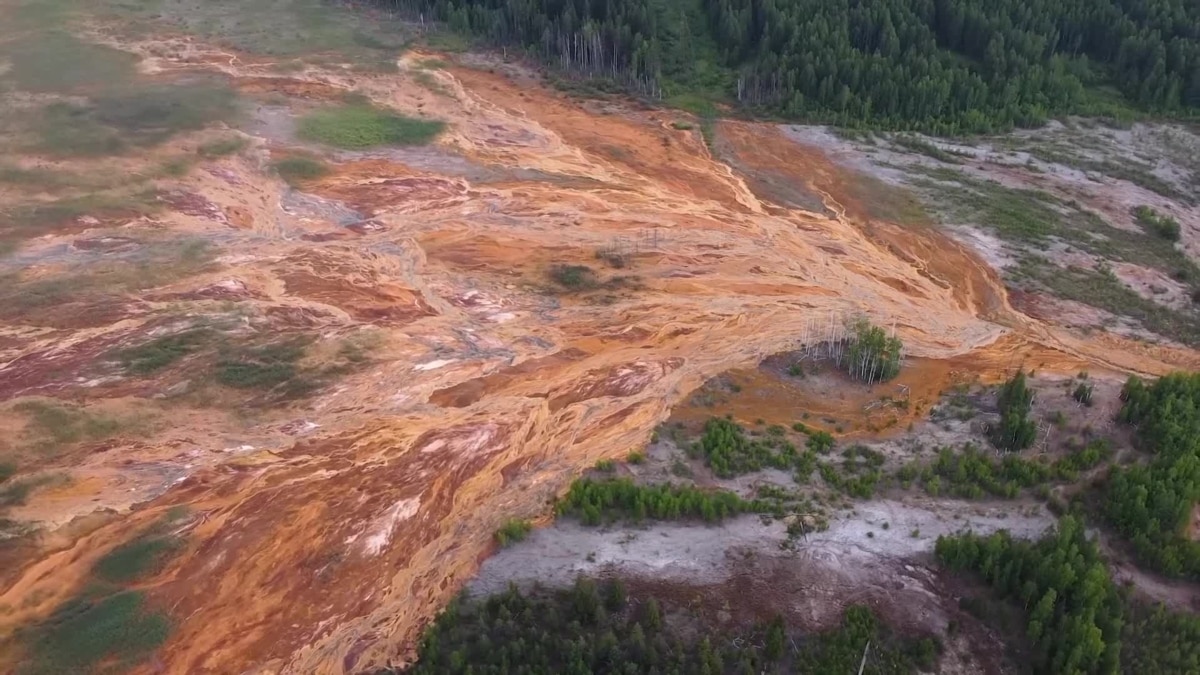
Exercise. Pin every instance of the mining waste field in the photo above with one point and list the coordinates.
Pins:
(296, 325)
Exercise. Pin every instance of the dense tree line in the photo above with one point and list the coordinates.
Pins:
(599, 628)
(598, 501)
(1077, 618)
(940, 65)
(1151, 504)
(1159, 642)
(1075, 613)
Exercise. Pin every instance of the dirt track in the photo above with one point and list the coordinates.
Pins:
(328, 554)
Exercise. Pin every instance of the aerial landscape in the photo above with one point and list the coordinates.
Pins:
(719, 336)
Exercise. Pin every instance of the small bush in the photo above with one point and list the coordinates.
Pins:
(682, 126)
(7, 470)
(221, 147)
(361, 126)
(513, 531)
(298, 169)
(1083, 394)
(573, 277)
(634, 457)
(606, 465)
(1158, 224)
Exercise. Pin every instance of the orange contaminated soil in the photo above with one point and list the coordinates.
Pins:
(327, 534)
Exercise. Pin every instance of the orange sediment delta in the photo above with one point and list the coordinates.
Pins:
(328, 553)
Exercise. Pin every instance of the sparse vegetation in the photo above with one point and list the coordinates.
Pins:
(574, 277)
(52, 425)
(359, 126)
(57, 62)
(298, 169)
(636, 457)
(272, 366)
(222, 147)
(1155, 223)
(161, 352)
(111, 122)
(972, 473)
(859, 473)
(726, 449)
(513, 531)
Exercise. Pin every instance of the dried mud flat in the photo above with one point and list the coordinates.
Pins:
(327, 532)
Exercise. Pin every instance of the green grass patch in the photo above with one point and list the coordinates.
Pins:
(299, 169)
(357, 127)
(222, 147)
(113, 122)
(267, 367)
(161, 352)
(85, 633)
(136, 559)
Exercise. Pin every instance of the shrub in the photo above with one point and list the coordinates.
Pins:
(1161, 225)
(221, 147)
(298, 169)
(636, 457)
(573, 277)
(513, 531)
(1083, 394)
(606, 465)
